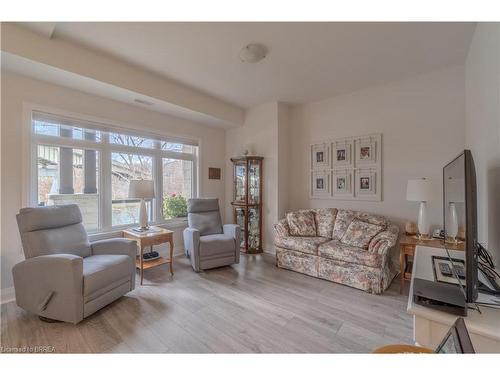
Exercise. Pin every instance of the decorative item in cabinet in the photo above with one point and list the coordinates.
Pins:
(247, 201)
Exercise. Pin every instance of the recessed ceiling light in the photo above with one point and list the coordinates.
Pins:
(253, 53)
(145, 102)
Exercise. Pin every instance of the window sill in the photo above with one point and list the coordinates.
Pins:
(172, 224)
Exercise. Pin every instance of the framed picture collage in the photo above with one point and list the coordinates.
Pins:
(347, 168)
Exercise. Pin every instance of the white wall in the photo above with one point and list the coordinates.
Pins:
(283, 158)
(422, 124)
(17, 89)
(261, 128)
(482, 131)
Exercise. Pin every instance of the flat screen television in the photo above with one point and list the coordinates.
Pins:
(460, 215)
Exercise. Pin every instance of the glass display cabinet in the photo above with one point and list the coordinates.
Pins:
(247, 201)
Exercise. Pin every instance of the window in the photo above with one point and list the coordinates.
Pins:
(64, 177)
(130, 140)
(86, 164)
(126, 167)
(177, 186)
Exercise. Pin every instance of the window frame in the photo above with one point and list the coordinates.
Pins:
(104, 165)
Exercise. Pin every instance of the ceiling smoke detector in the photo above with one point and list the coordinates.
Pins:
(253, 53)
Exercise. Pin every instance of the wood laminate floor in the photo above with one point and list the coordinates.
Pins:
(250, 307)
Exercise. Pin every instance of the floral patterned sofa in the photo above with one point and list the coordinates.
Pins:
(344, 246)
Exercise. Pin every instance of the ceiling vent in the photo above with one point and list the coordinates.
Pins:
(144, 102)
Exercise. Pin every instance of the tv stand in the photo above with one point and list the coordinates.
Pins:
(430, 325)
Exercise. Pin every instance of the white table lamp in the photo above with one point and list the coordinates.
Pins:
(455, 193)
(142, 189)
(420, 190)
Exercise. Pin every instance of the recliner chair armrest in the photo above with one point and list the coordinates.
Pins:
(51, 286)
(117, 246)
(114, 246)
(191, 238)
(234, 231)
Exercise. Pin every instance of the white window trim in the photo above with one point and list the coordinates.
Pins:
(30, 180)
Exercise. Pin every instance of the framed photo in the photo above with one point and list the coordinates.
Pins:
(368, 149)
(342, 184)
(347, 168)
(320, 184)
(367, 185)
(214, 173)
(342, 153)
(365, 152)
(320, 156)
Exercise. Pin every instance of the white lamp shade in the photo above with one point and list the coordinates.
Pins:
(455, 190)
(419, 190)
(143, 189)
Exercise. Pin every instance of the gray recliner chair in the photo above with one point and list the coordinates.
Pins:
(207, 242)
(64, 276)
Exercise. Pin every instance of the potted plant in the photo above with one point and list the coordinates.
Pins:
(174, 206)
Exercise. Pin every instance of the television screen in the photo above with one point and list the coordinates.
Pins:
(460, 214)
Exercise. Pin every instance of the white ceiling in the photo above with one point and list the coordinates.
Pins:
(306, 61)
(26, 67)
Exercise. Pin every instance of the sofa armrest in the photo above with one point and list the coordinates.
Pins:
(51, 286)
(281, 230)
(385, 240)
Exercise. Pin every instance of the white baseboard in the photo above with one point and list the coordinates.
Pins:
(270, 252)
(7, 295)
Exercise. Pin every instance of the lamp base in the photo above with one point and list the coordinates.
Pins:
(423, 223)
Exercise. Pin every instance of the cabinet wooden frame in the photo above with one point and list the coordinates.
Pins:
(246, 205)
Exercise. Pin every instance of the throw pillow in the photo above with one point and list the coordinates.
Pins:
(360, 233)
(342, 221)
(301, 223)
(325, 220)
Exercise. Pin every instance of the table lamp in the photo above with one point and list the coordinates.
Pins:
(420, 190)
(142, 189)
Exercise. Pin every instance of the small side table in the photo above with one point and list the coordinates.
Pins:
(155, 236)
(407, 244)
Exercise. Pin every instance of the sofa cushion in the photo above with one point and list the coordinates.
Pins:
(325, 220)
(306, 245)
(336, 250)
(345, 217)
(216, 245)
(360, 233)
(99, 271)
(301, 223)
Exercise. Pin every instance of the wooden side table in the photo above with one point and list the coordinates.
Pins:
(407, 244)
(155, 236)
